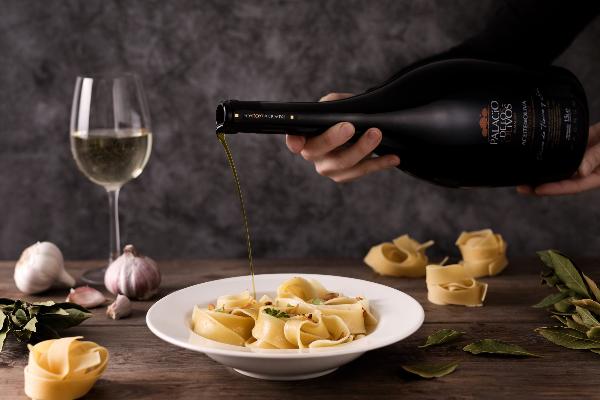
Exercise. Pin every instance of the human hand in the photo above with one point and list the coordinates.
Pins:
(586, 178)
(334, 158)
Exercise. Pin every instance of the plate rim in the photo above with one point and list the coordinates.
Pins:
(300, 353)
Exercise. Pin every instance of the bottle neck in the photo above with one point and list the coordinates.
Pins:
(233, 116)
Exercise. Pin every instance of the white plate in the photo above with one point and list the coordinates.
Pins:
(399, 316)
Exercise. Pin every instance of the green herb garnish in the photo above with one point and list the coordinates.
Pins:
(33, 322)
(317, 301)
(276, 313)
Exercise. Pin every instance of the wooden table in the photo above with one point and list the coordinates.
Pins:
(144, 367)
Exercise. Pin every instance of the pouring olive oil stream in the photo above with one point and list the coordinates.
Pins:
(238, 188)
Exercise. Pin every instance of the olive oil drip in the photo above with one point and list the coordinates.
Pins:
(238, 187)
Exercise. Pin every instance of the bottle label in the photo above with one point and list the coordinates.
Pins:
(536, 124)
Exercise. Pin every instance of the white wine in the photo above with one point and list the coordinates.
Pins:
(110, 158)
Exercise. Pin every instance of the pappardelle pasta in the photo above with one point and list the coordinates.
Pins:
(303, 315)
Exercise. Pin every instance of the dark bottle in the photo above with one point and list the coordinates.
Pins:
(457, 123)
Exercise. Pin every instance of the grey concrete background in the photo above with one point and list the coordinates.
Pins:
(191, 54)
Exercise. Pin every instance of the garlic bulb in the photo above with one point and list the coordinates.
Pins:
(132, 275)
(40, 267)
(121, 308)
(86, 296)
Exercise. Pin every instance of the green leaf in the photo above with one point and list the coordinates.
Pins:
(60, 321)
(31, 322)
(276, 313)
(577, 326)
(569, 338)
(593, 287)
(564, 306)
(551, 299)
(544, 255)
(30, 326)
(492, 346)
(561, 319)
(431, 370)
(550, 279)
(19, 317)
(593, 333)
(588, 304)
(597, 351)
(567, 273)
(48, 303)
(442, 336)
(586, 317)
(3, 329)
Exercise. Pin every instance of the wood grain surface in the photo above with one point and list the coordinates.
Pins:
(144, 367)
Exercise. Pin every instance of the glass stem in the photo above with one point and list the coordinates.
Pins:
(115, 240)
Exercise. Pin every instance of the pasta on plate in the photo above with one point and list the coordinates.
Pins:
(304, 314)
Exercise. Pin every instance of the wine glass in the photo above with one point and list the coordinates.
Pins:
(111, 141)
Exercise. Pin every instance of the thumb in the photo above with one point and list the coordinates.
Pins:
(335, 96)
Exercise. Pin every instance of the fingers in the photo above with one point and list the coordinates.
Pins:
(569, 186)
(295, 143)
(594, 136)
(316, 147)
(525, 190)
(343, 159)
(591, 158)
(365, 167)
(335, 96)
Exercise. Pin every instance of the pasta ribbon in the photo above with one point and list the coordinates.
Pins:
(63, 369)
(453, 285)
(227, 327)
(483, 252)
(303, 315)
(405, 257)
(316, 330)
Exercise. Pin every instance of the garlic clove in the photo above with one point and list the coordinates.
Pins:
(86, 296)
(40, 267)
(133, 275)
(120, 308)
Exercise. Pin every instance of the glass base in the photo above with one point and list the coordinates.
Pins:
(94, 276)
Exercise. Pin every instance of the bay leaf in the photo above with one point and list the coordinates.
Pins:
(67, 318)
(593, 287)
(431, 370)
(442, 336)
(594, 333)
(563, 314)
(3, 329)
(550, 279)
(563, 305)
(588, 304)
(577, 326)
(561, 319)
(48, 303)
(569, 338)
(551, 299)
(19, 317)
(568, 273)
(545, 257)
(492, 346)
(586, 317)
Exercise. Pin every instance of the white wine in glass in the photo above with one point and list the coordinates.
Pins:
(111, 141)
